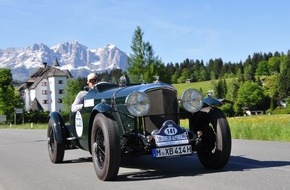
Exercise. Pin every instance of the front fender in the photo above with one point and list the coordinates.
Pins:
(103, 107)
(210, 101)
(204, 116)
(57, 126)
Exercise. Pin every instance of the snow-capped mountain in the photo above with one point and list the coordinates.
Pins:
(75, 57)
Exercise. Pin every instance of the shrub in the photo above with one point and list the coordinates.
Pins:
(36, 117)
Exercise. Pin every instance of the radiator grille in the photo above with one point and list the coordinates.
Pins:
(163, 106)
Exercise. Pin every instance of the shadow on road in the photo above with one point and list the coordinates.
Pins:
(148, 168)
(79, 160)
(185, 166)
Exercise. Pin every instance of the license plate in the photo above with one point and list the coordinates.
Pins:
(171, 151)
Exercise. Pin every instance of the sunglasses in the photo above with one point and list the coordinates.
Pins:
(92, 80)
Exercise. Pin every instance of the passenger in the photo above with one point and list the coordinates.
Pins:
(124, 80)
(79, 100)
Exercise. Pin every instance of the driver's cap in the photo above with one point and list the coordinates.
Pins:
(92, 76)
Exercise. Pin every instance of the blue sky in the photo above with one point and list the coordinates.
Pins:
(192, 29)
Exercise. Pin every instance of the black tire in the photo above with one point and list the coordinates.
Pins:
(105, 145)
(215, 149)
(55, 149)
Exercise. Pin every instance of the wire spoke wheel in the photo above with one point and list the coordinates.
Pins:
(55, 150)
(215, 149)
(105, 144)
(100, 148)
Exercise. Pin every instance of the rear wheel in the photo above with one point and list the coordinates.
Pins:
(215, 148)
(55, 149)
(105, 146)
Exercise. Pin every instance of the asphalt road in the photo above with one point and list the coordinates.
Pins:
(24, 164)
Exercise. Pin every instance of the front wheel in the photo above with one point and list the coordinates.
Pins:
(215, 149)
(105, 146)
(55, 149)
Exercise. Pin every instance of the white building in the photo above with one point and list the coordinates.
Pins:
(44, 90)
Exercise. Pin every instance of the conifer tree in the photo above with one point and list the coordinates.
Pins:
(283, 80)
(143, 64)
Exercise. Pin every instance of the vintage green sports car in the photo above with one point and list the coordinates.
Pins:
(141, 119)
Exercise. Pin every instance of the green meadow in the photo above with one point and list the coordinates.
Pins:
(262, 127)
(203, 87)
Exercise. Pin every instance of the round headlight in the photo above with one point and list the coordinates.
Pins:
(192, 100)
(137, 103)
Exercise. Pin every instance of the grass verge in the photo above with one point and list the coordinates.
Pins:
(262, 127)
(25, 126)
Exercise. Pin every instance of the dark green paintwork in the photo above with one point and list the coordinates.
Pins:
(115, 97)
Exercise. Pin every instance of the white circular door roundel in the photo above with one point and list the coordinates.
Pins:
(79, 124)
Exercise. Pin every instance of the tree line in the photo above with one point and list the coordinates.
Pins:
(257, 83)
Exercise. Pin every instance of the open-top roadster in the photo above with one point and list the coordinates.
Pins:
(141, 119)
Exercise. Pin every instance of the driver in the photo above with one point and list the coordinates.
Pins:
(79, 100)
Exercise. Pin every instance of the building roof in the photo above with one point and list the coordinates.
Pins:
(44, 73)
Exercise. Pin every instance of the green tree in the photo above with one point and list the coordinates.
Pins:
(203, 75)
(232, 92)
(283, 80)
(142, 63)
(169, 70)
(274, 65)
(213, 67)
(250, 95)
(263, 68)
(7, 94)
(156, 69)
(220, 88)
(185, 74)
(72, 87)
(249, 74)
(240, 76)
(175, 77)
(212, 75)
(136, 63)
(271, 90)
(228, 109)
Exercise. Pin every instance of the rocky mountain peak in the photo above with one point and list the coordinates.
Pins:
(73, 56)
